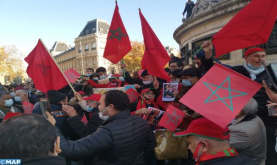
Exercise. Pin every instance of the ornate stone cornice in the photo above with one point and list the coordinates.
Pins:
(207, 10)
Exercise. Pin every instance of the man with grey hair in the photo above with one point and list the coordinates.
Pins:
(248, 135)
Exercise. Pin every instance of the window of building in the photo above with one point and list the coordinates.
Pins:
(87, 47)
(80, 49)
(93, 61)
(93, 46)
(100, 30)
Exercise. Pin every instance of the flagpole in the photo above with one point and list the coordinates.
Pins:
(58, 67)
(82, 60)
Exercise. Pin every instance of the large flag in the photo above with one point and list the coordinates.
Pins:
(172, 118)
(118, 43)
(220, 94)
(43, 70)
(155, 56)
(251, 26)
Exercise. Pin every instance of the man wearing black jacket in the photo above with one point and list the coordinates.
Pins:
(253, 69)
(122, 139)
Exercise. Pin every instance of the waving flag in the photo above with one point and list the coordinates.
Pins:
(43, 70)
(251, 26)
(220, 98)
(118, 43)
(155, 56)
(172, 118)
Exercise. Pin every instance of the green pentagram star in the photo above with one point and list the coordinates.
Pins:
(229, 92)
(120, 34)
(173, 117)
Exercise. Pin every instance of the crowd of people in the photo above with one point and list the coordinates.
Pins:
(89, 128)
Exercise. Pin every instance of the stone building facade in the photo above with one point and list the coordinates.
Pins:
(89, 46)
(207, 18)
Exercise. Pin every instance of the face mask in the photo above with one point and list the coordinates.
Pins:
(12, 94)
(17, 99)
(88, 75)
(254, 67)
(147, 82)
(103, 117)
(95, 78)
(175, 81)
(102, 77)
(9, 102)
(186, 82)
(121, 78)
(89, 109)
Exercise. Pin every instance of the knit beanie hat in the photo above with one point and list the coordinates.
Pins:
(55, 97)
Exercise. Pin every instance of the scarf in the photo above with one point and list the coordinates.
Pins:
(253, 73)
(142, 104)
(231, 152)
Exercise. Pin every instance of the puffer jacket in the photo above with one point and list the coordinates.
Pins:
(121, 140)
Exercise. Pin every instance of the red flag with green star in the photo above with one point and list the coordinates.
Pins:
(43, 70)
(172, 118)
(220, 94)
(118, 43)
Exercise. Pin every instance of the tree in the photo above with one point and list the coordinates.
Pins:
(11, 64)
(134, 57)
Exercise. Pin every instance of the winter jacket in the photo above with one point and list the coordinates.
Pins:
(49, 160)
(248, 137)
(237, 160)
(121, 140)
(82, 130)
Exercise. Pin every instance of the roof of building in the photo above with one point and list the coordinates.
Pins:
(66, 51)
(95, 26)
(59, 47)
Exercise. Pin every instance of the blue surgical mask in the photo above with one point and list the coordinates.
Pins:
(17, 99)
(88, 75)
(186, 82)
(102, 77)
(254, 67)
(89, 109)
(12, 94)
(9, 102)
(95, 78)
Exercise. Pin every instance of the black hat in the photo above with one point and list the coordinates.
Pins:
(176, 73)
(144, 73)
(191, 72)
(55, 97)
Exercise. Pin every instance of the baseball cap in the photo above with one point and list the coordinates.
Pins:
(205, 128)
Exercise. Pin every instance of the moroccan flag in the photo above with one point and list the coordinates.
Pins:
(220, 94)
(28, 107)
(251, 26)
(71, 75)
(172, 118)
(132, 94)
(155, 56)
(118, 43)
(43, 70)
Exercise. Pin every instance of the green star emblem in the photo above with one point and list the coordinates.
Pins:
(117, 34)
(173, 117)
(214, 92)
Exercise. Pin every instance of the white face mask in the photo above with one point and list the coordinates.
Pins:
(103, 117)
(147, 82)
(121, 78)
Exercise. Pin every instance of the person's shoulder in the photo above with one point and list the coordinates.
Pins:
(232, 160)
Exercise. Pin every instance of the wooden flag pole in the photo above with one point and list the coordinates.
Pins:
(58, 67)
